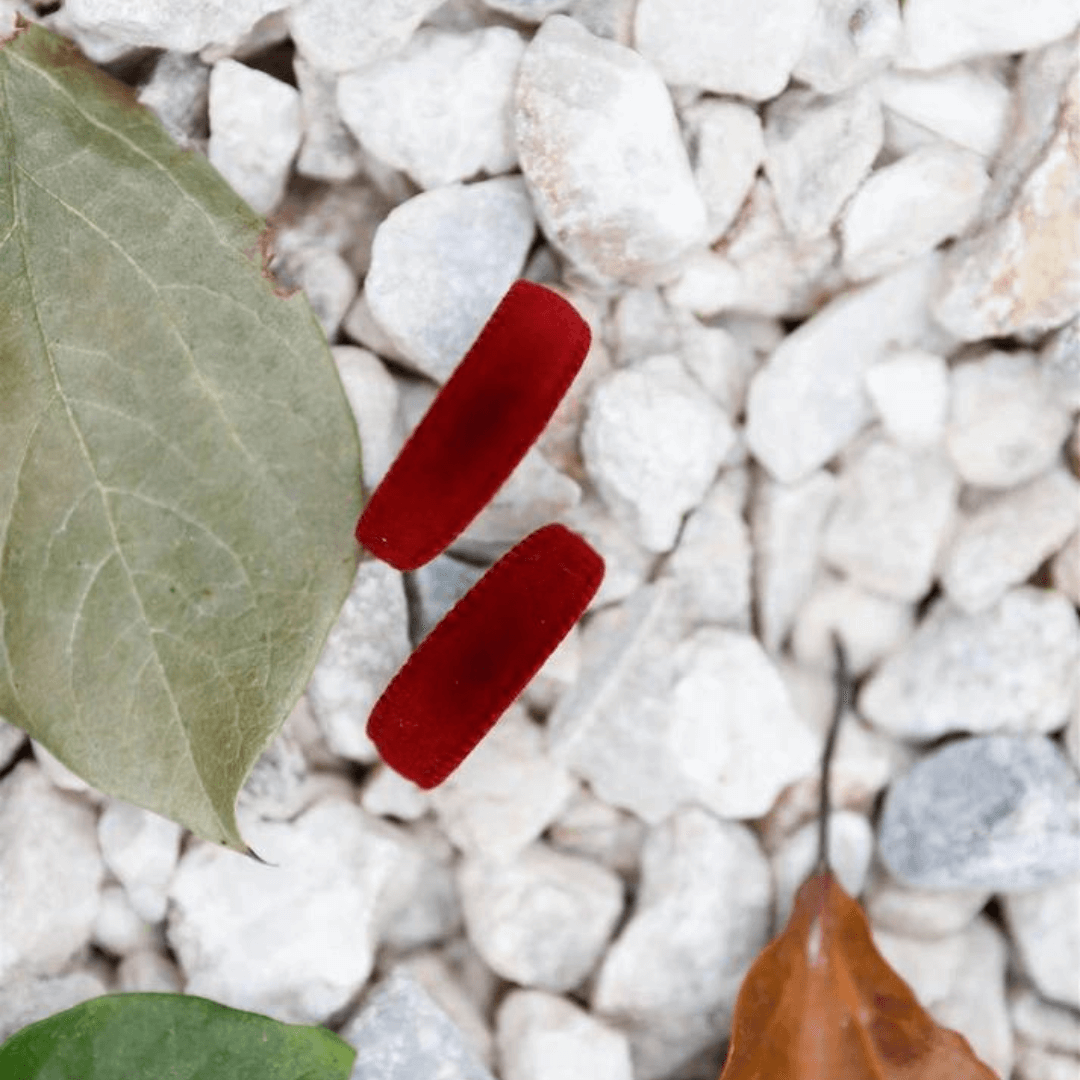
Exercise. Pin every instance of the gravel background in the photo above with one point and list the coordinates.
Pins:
(830, 255)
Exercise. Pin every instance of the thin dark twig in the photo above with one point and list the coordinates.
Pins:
(842, 677)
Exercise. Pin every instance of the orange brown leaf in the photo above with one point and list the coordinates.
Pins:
(820, 1003)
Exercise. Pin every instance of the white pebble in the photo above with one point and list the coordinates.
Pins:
(848, 41)
(721, 360)
(940, 32)
(295, 939)
(361, 326)
(611, 728)
(591, 828)
(1005, 424)
(148, 972)
(871, 626)
(365, 647)
(26, 1000)
(920, 913)
(328, 151)
(1060, 357)
(730, 147)
(402, 1033)
(787, 521)
(339, 37)
(975, 1004)
(968, 106)
(326, 279)
(373, 397)
(254, 132)
(911, 206)
(544, 1037)
(643, 325)
(176, 93)
(505, 793)
(1014, 669)
(702, 914)
(1065, 571)
(892, 518)
(585, 108)
(706, 285)
(118, 928)
(910, 392)
(271, 30)
(733, 731)
(556, 675)
(724, 46)
(169, 24)
(626, 563)
(807, 401)
(1041, 1023)
(465, 1004)
(141, 849)
(711, 564)
(60, 776)
(770, 271)
(440, 264)
(1046, 931)
(50, 873)
(928, 967)
(1006, 539)
(435, 588)
(542, 920)
(440, 110)
(532, 11)
(389, 794)
(1019, 274)
(652, 443)
(817, 152)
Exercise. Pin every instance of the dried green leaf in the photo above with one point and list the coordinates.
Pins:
(179, 469)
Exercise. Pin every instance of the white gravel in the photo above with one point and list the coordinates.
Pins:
(829, 253)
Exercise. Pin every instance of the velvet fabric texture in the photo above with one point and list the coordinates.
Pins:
(478, 428)
(476, 661)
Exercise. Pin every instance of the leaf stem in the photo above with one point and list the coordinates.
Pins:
(843, 701)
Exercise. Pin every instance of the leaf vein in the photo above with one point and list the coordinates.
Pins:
(112, 410)
(188, 520)
(134, 147)
(207, 388)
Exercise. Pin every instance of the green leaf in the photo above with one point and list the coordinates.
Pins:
(154, 1036)
(179, 468)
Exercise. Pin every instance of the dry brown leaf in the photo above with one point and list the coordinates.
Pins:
(820, 1003)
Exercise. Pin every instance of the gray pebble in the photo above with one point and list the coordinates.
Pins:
(401, 1034)
(999, 812)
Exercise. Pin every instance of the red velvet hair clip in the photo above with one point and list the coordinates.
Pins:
(476, 661)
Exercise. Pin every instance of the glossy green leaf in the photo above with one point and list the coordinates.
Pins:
(154, 1036)
(179, 468)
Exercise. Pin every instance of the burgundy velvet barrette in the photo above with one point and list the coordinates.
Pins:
(478, 428)
(471, 667)
(480, 656)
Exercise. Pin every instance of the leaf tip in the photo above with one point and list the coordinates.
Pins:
(251, 853)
